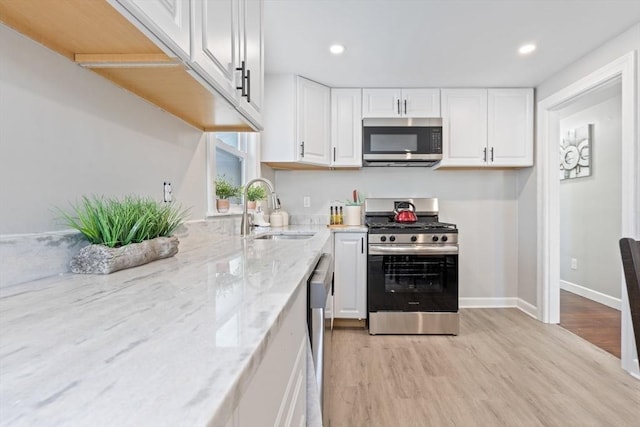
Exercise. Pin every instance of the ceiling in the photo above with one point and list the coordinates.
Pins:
(437, 43)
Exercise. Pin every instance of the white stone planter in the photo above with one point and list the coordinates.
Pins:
(100, 259)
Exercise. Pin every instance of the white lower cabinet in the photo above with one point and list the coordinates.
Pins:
(276, 395)
(350, 279)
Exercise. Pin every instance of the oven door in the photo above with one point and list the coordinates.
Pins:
(412, 279)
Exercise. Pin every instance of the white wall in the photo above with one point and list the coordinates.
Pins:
(67, 132)
(527, 235)
(590, 207)
(608, 52)
(527, 179)
(482, 203)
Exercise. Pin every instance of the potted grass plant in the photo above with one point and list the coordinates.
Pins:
(255, 193)
(123, 233)
(225, 190)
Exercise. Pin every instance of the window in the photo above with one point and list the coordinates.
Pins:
(230, 157)
(233, 155)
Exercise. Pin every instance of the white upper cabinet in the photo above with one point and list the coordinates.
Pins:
(252, 55)
(510, 127)
(381, 102)
(464, 127)
(227, 51)
(420, 103)
(313, 110)
(297, 121)
(487, 127)
(216, 44)
(346, 127)
(169, 20)
(385, 103)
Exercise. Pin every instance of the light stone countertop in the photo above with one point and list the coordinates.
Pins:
(170, 343)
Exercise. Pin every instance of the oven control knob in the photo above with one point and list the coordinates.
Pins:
(414, 239)
(392, 238)
(383, 239)
(444, 238)
(434, 238)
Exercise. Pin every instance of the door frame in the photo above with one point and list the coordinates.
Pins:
(624, 68)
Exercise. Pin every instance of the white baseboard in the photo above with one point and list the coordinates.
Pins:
(527, 308)
(518, 303)
(488, 302)
(591, 294)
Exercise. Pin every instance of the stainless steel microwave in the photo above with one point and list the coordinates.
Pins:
(401, 141)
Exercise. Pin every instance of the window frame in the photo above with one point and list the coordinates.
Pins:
(248, 151)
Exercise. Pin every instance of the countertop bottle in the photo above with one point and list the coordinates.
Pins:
(331, 217)
(340, 217)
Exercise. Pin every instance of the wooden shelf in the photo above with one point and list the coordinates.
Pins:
(94, 34)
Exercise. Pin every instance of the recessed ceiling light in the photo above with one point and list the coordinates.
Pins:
(527, 48)
(336, 49)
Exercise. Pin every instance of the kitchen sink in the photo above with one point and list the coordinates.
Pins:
(282, 236)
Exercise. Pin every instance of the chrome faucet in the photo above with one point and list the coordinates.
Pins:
(245, 227)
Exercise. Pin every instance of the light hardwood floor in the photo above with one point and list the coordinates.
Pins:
(504, 369)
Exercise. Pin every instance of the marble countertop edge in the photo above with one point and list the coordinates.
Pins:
(185, 279)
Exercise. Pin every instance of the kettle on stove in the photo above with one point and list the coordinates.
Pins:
(405, 212)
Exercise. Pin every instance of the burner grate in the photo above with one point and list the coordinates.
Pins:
(420, 225)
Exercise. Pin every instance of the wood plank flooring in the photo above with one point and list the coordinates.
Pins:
(504, 369)
(595, 322)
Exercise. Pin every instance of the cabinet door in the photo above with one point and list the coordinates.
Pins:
(350, 287)
(510, 127)
(313, 115)
(464, 123)
(420, 102)
(169, 20)
(215, 45)
(346, 127)
(252, 53)
(381, 102)
(274, 394)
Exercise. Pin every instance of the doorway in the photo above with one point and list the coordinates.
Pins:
(548, 188)
(590, 215)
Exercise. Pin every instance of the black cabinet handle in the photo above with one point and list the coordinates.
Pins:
(362, 245)
(491, 154)
(242, 78)
(398, 103)
(334, 154)
(405, 107)
(484, 154)
(248, 86)
(302, 149)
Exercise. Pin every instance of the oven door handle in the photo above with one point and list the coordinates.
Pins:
(413, 250)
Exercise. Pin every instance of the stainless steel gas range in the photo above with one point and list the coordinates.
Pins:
(412, 268)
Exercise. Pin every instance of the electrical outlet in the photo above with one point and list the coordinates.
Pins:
(166, 197)
(306, 201)
(574, 263)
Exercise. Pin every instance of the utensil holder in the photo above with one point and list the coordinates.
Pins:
(352, 215)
